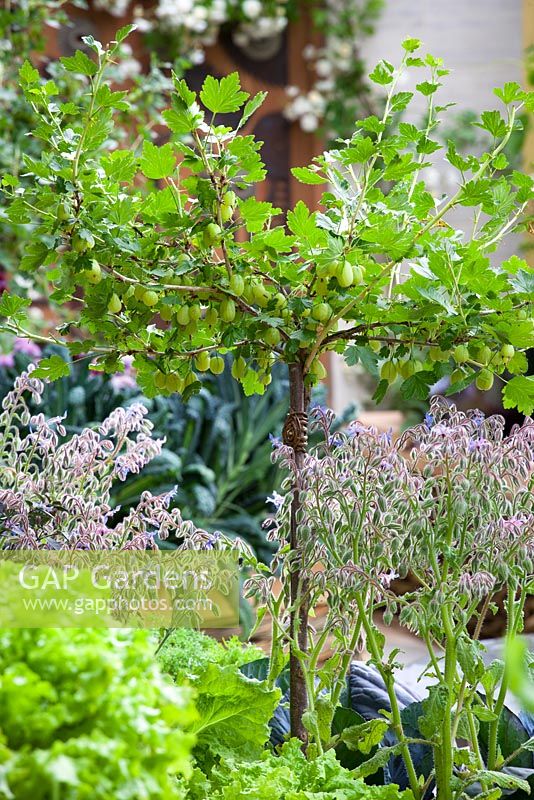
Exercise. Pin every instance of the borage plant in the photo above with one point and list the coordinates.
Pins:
(452, 502)
(187, 265)
(55, 492)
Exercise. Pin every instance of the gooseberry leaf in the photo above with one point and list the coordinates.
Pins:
(157, 162)
(255, 213)
(51, 368)
(80, 63)
(224, 96)
(12, 304)
(519, 393)
(306, 175)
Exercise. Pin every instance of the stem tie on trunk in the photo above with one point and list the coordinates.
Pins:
(295, 431)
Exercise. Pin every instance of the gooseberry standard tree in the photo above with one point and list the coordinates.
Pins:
(185, 265)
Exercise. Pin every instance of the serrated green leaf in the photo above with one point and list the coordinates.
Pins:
(29, 74)
(377, 761)
(12, 304)
(519, 393)
(251, 106)
(417, 386)
(157, 162)
(502, 780)
(51, 369)
(35, 255)
(411, 45)
(255, 213)
(427, 88)
(382, 74)
(124, 32)
(120, 165)
(434, 710)
(182, 119)
(365, 736)
(79, 62)
(492, 122)
(224, 96)
(306, 175)
(523, 281)
(509, 92)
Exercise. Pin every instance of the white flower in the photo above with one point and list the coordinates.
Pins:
(316, 99)
(196, 56)
(218, 12)
(301, 105)
(252, 8)
(309, 123)
(323, 67)
(130, 68)
(172, 8)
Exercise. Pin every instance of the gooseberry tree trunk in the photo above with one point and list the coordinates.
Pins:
(295, 435)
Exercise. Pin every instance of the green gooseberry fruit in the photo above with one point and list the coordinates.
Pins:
(202, 361)
(318, 369)
(160, 380)
(280, 301)
(239, 368)
(182, 315)
(388, 371)
(64, 211)
(226, 213)
(483, 355)
(82, 243)
(484, 380)
(437, 354)
(407, 369)
(272, 337)
(461, 354)
(229, 198)
(139, 292)
(260, 294)
(114, 304)
(150, 298)
(227, 310)
(357, 275)
(195, 312)
(217, 365)
(211, 317)
(321, 312)
(94, 273)
(174, 382)
(344, 274)
(166, 313)
(212, 234)
(237, 284)
(507, 352)
(192, 377)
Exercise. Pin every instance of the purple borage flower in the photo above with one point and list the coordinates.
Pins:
(55, 492)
